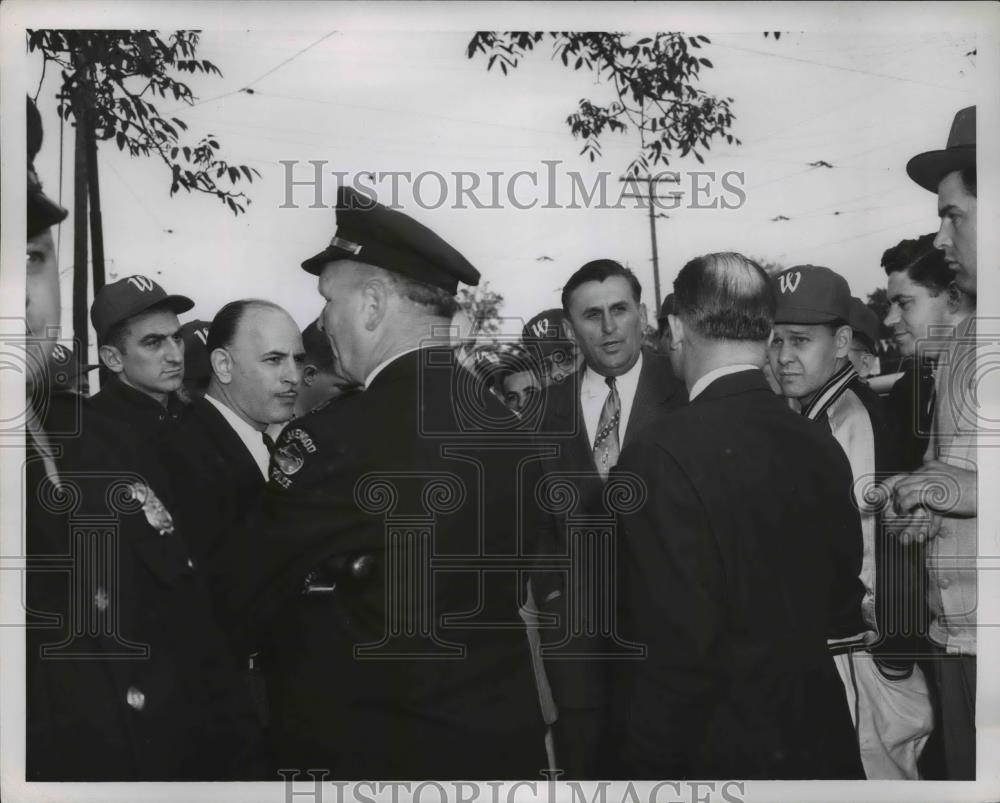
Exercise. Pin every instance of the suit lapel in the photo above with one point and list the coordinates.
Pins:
(230, 446)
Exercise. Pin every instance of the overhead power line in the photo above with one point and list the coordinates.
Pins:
(259, 78)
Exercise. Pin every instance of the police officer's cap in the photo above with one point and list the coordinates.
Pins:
(810, 294)
(43, 212)
(371, 233)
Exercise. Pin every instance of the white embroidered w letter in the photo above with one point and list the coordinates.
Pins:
(141, 283)
(789, 281)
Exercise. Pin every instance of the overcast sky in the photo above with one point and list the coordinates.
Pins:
(382, 100)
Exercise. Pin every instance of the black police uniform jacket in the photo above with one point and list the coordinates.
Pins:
(579, 683)
(128, 674)
(379, 664)
(739, 564)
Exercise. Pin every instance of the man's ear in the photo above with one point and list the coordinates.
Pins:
(374, 299)
(112, 359)
(956, 298)
(843, 337)
(676, 331)
(222, 365)
(309, 375)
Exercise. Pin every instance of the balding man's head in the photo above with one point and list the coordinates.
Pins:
(725, 296)
(256, 353)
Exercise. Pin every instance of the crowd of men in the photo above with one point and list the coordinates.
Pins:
(368, 548)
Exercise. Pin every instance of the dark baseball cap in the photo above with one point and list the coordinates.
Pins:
(545, 332)
(67, 366)
(927, 169)
(811, 294)
(371, 233)
(864, 322)
(197, 364)
(121, 300)
(317, 347)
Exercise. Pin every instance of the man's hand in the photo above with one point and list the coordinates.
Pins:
(916, 527)
(937, 487)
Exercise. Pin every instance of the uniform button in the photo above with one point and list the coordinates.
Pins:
(361, 566)
(943, 582)
(101, 599)
(160, 417)
(135, 698)
(943, 532)
(190, 563)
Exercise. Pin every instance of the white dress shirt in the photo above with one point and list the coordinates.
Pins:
(252, 438)
(594, 392)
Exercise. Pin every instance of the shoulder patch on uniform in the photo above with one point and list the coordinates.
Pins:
(288, 458)
(299, 435)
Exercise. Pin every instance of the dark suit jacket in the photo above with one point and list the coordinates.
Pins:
(743, 559)
(219, 489)
(141, 686)
(221, 482)
(581, 683)
(450, 691)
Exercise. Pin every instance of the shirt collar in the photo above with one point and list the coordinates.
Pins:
(595, 384)
(717, 373)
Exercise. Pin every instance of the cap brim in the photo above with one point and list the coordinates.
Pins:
(927, 169)
(315, 264)
(43, 213)
(806, 316)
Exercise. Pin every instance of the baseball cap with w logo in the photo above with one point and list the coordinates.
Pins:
(811, 294)
(121, 300)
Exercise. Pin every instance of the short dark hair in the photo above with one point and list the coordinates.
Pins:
(726, 296)
(922, 262)
(222, 330)
(597, 271)
(116, 335)
(968, 176)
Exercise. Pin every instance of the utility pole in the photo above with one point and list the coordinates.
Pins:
(650, 182)
(80, 236)
(96, 224)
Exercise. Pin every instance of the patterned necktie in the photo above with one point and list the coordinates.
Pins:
(606, 446)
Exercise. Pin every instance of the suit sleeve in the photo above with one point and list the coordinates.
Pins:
(670, 581)
(843, 536)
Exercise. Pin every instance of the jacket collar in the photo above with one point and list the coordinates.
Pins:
(832, 390)
(748, 381)
(136, 405)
